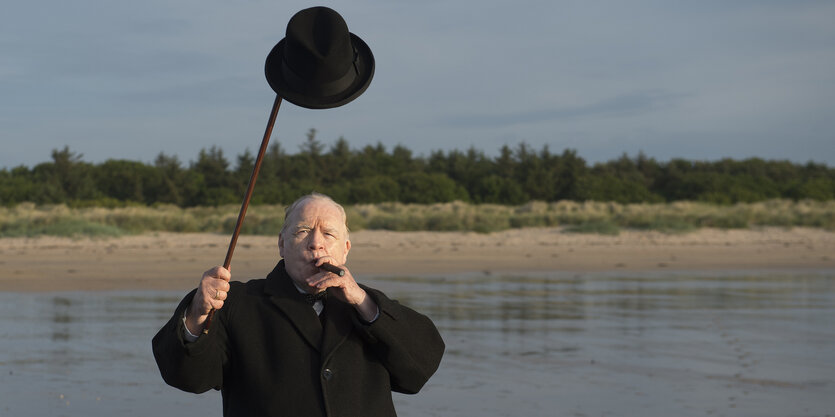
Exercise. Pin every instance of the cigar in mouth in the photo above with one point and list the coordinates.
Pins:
(334, 269)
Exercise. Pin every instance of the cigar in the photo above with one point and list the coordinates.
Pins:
(335, 269)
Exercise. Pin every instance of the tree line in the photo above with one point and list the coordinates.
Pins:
(375, 174)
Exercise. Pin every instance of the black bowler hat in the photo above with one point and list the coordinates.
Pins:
(319, 64)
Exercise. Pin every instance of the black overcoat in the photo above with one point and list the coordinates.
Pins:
(270, 355)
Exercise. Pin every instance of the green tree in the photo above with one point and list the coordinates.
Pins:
(67, 178)
(128, 181)
(17, 186)
(215, 184)
(173, 187)
(423, 188)
(376, 189)
(498, 190)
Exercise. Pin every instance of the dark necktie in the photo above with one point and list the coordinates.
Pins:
(312, 298)
(320, 296)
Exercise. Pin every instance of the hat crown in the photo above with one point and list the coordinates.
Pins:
(318, 45)
(319, 64)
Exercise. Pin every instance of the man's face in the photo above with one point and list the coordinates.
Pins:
(314, 230)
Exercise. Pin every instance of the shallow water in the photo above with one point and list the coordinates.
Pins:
(759, 344)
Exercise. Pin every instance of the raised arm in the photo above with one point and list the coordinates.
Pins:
(195, 366)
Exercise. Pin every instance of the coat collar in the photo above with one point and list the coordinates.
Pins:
(291, 302)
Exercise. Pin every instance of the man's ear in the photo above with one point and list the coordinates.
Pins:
(280, 245)
(347, 249)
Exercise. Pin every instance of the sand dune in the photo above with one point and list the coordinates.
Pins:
(176, 261)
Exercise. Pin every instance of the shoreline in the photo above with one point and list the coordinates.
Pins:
(173, 261)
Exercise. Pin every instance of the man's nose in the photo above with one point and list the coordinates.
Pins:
(316, 241)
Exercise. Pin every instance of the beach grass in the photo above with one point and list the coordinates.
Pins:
(601, 227)
(27, 219)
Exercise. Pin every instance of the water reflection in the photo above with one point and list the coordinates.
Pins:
(641, 345)
(61, 318)
(547, 344)
(537, 297)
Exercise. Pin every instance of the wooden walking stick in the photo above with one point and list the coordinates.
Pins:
(264, 142)
(318, 65)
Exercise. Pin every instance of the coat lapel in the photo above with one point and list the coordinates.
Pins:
(287, 298)
(337, 324)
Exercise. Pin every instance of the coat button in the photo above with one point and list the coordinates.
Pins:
(327, 374)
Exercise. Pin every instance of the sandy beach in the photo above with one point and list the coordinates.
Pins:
(175, 261)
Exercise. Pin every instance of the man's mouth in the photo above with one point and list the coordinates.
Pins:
(313, 264)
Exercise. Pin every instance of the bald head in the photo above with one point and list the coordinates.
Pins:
(292, 209)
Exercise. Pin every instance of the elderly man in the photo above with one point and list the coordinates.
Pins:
(276, 347)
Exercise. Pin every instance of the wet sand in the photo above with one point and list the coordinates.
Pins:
(171, 261)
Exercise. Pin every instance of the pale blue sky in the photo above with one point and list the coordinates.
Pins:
(697, 80)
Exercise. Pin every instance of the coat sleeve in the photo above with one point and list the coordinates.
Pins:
(194, 367)
(407, 342)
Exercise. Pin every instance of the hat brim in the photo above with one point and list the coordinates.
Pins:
(285, 89)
